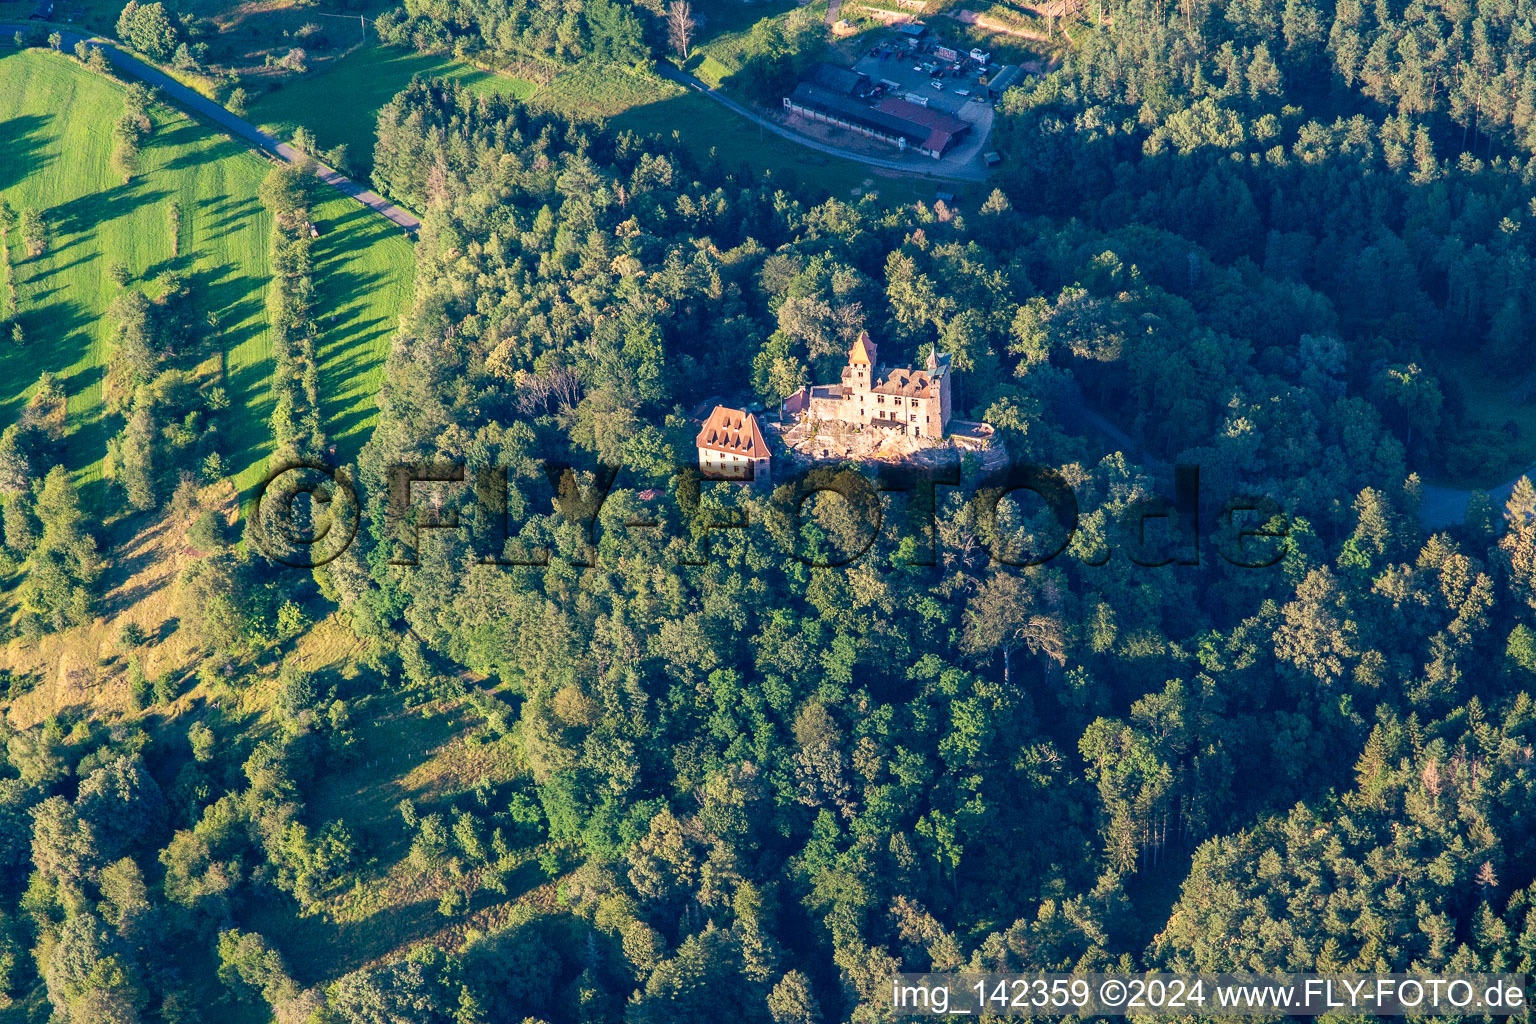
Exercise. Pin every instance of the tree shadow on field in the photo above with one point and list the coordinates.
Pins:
(225, 291)
(194, 155)
(86, 377)
(347, 234)
(344, 342)
(341, 426)
(54, 271)
(347, 351)
(83, 215)
(60, 339)
(126, 597)
(88, 434)
(250, 391)
(178, 264)
(348, 446)
(341, 292)
(320, 950)
(210, 205)
(231, 212)
(244, 322)
(21, 143)
(339, 289)
(52, 253)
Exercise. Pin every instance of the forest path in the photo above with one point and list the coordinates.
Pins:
(194, 102)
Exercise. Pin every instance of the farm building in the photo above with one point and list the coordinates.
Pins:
(897, 121)
(840, 80)
(1005, 79)
(942, 128)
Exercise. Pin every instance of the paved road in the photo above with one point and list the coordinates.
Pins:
(671, 71)
(196, 103)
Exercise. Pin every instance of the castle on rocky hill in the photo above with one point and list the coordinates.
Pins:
(901, 399)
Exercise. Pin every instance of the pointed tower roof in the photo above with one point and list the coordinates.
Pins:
(863, 351)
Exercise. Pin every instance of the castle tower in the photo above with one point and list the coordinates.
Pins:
(861, 360)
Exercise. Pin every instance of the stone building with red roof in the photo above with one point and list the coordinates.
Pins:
(732, 447)
(903, 399)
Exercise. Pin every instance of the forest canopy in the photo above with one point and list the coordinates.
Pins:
(701, 766)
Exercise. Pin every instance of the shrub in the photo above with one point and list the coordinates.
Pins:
(130, 634)
(166, 689)
(208, 532)
(202, 739)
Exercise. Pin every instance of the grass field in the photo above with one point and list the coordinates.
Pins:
(726, 42)
(240, 35)
(59, 164)
(363, 277)
(719, 18)
(594, 89)
(703, 125)
(725, 26)
(341, 104)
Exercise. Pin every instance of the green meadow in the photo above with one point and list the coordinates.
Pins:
(370, 76)
(710, 131)
(341, 103)
(60, 164)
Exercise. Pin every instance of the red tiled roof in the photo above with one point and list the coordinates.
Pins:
(942, 127)
(902, 380)
(734, 432)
